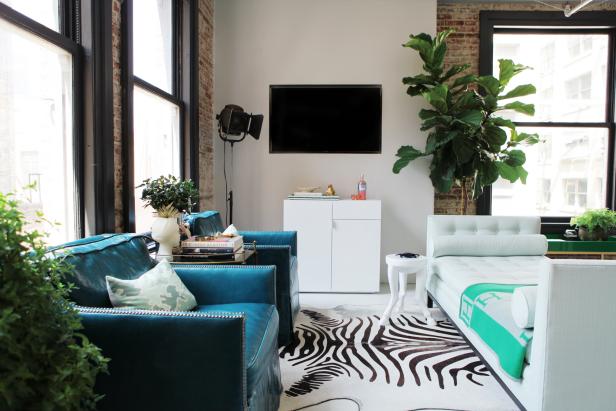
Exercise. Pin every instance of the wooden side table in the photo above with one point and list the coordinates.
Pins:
(398, 269)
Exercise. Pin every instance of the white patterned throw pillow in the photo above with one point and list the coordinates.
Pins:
(158, 289)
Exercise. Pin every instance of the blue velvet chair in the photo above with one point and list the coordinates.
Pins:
(277, 248)
(223, 355)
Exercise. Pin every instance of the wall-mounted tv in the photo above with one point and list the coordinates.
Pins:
(325, 119)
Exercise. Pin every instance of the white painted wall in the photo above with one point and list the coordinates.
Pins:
(263, 42)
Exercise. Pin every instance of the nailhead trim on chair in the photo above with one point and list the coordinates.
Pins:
(190, 314)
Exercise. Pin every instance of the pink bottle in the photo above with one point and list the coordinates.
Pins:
(361, 188)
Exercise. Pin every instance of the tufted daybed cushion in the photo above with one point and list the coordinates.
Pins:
(490, 245)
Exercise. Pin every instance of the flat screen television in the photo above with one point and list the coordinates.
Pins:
(325, 119)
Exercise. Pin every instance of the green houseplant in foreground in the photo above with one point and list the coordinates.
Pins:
(467, 142)
(595, 225)
(46, 364)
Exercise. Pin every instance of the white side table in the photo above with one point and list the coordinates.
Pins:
(397, 270)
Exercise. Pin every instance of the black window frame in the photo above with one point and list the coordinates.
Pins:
(589, 22)
(67, 38)
(184, 94)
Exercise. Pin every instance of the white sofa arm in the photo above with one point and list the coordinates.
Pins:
(575, 335)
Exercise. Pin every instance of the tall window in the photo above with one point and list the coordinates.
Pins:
(157, 107)
(38, 135)
(572, 169)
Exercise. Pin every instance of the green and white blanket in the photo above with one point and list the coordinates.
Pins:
(486, 309)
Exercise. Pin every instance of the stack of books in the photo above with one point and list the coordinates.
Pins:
(220, 248)
(304, 195)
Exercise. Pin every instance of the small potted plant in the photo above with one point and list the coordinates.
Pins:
(169, 196)
(595, 225)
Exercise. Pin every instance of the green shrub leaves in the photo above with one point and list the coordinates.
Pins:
(466, 139)
(46, 364)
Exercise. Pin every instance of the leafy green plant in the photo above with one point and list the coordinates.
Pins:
(46, 364)
(169, 195)
(596, 220)
(466, 140)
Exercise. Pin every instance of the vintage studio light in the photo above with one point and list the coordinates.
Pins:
(233, 126)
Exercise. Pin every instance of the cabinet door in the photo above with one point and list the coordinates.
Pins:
(356, 254)
(313, 222)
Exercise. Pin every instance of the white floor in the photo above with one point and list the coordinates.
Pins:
(331, 300)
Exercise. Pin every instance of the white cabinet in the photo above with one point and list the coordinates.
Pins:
(338, 244)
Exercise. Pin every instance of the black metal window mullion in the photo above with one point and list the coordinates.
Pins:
(553, 23)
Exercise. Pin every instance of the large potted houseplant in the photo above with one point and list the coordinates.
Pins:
(467, 141)
(168, 196)
(595, 225)
(45, 362)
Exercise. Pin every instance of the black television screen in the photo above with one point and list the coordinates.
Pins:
(325, 119)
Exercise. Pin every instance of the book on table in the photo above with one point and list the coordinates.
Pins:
(214, 243)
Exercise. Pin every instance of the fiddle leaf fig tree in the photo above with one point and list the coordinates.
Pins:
(468, 142)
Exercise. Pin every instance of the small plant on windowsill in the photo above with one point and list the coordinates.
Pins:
(169, 196)
(467, 141)
(595, 225)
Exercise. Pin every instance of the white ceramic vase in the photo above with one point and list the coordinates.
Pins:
(166, 232)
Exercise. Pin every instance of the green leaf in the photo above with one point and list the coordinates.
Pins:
(471, 117)
(420, 79)
(520, 107)
(468, 100)
(439, 139)
(437, 97)
(519, 91)
(515, 158)
(416, 90)
(503, 122)
(464, 80)
(489, 84)
(464, 149)
(495, 136)
(522, 173)
(507, 172)
(426, 114)
(422, 45)
(488, 172)
(453, 70)
(528, 139)
(437, 120)
(490, 103)
(406, 154)
(508, 69)
(441, 175)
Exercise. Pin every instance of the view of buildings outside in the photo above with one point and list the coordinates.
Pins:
(567, 171)
(36, 130)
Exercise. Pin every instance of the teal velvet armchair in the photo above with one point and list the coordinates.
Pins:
(220, 356)
(277, 248)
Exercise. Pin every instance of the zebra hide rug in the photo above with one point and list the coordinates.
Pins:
(342, 360)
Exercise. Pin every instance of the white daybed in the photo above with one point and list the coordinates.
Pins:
(571, 362)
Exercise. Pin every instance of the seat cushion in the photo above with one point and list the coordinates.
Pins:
(261, 330)
(461, 272)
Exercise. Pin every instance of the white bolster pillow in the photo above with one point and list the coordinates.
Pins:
(490, 245)
(523, 304)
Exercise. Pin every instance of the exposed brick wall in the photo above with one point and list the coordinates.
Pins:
(463, 47)
(206, 96)
(205, 25)
(116, 52)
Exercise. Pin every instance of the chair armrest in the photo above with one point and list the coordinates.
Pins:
(225, 284)
(272, 238)
(198, 357)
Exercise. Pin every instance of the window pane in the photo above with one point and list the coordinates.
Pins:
(152, 42)
(565, 175)
(569, 71)
(36, 129)
(156, 146)
(45, 12)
